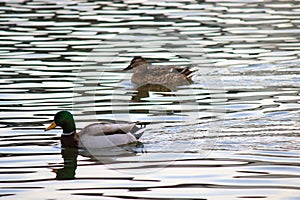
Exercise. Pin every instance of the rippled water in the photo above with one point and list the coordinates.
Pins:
(231, 134)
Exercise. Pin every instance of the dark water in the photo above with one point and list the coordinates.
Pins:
(232, 134)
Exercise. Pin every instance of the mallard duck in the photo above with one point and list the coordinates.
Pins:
(145, 73)
(97, 135)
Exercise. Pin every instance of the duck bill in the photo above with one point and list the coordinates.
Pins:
(52, 126)
(128, 68)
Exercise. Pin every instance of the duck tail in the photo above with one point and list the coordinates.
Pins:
(138, 130)
(187, 72)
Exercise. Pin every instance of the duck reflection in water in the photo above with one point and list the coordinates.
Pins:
(69, 156)
(149, 77)
(143, 91)
(96, 156)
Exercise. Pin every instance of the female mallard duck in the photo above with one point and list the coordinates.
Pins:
(144, 73)
(97, 135)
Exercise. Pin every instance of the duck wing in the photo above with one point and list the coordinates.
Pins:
(98, 129)
(101, 129)
(185, 71)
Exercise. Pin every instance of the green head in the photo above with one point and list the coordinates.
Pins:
(65, 120)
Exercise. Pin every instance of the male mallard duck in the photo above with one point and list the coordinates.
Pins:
(97, 135)
(145, 73)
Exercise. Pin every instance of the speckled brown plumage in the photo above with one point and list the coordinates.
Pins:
(145, 73)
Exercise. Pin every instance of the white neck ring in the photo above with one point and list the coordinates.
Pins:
(68, 133)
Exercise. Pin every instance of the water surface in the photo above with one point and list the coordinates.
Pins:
(231, 134)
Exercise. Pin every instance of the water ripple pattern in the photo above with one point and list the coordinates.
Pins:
(231, 134)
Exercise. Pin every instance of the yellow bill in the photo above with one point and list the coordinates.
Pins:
(52, 126)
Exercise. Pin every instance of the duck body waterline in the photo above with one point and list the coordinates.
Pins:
(145, 73)
(97, 135)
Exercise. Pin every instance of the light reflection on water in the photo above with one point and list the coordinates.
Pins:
(231, 134)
